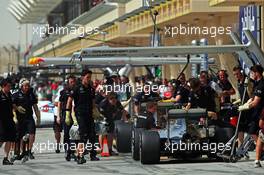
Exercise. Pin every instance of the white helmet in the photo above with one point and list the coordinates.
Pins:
(74, 132)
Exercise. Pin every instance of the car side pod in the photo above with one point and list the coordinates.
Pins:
(149, 147)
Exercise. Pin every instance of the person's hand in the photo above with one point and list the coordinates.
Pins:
(186, 108)
(236, 102)
(243, 107)
(67, 118)
(74, 119)
(15, 118)
(21, 110)
(75, 123)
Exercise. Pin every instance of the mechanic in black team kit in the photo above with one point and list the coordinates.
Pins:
(7, 125)
(24, 101)
(83, 98)
(256, 103)
(61, 113)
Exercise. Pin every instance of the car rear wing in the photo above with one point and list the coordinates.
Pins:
(191, 114)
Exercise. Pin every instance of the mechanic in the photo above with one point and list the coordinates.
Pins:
(61, 113)
(182, 91)
(226, 86)
(7, 125)
(82, 115)
(255, 103)
(208, 83)
(201, 97)
(144, 96)
(151, 121)
(241, 76)
(260, 141)
(112, 110)
(23, 102)
(57, 127)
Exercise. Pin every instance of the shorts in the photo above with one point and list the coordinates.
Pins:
(261, 136)
(57, 127)
(26, 126)
(7, 131)
(253, 127)
(244, 122)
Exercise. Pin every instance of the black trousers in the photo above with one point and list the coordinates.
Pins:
(87, 130)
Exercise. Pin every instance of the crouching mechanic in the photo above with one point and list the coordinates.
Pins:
(23, 102)
(112, 110)
(82, 115)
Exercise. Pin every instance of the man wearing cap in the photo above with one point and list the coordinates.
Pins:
(24, 101)
(82, 114)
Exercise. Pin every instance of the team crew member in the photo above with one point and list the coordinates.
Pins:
(57, 127)
(112, 110)
(144, 96)
(23, 102)
(226, 86)
(182, 91)
(240, 76)
(260, 141)
(202, 97)
(256, 104)
(82, 115)
(151, 121)
(61, 113)
(7, 125)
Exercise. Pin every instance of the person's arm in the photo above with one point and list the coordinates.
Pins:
(37, 112)
(68, 111)
(58, 113)
(254, 102)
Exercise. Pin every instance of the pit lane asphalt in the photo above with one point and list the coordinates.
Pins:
(50, 163)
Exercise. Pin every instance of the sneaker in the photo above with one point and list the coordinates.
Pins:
(57, 149)
(30, 155)
(25, 159)
(113, 153)
(81, 160)
(257, 164)
(68, 157)
(74, 157)
(7, 162)
(94, 158)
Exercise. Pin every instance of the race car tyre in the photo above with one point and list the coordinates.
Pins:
(123, 136)
(149, 147)
(136, 134)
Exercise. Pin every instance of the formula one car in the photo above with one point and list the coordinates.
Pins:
(187, 134)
